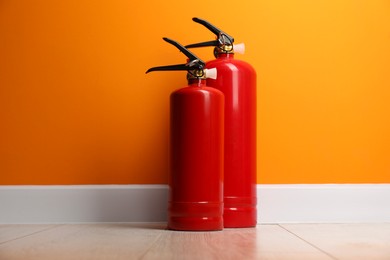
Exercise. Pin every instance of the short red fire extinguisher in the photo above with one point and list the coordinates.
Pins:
(237, 80)
(196, 149)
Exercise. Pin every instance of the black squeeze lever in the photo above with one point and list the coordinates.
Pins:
(194, 62)
(222, 37)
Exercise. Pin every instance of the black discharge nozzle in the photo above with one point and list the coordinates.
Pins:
(223, 39)
(194, 63)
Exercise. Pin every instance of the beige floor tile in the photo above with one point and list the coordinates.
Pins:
(264, 242)
(11, 232)
(347, 241)
(152, 241)
(90, 241)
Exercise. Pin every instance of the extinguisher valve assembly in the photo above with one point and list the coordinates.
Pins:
(195, 66)
(224, 42)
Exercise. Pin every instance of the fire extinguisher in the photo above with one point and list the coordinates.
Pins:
(237, 80)
(196, 149)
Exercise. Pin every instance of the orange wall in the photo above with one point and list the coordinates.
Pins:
(77, 108)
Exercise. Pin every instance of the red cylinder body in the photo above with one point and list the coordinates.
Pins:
(237, 80)
(196, 158)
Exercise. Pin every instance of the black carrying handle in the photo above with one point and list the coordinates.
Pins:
(168, 68)
(194, 62)
(222, 37)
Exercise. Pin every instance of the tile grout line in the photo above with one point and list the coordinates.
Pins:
(311, 244)
(150, 247)
(31, 234)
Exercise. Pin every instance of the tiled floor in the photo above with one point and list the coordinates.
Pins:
(152, 241)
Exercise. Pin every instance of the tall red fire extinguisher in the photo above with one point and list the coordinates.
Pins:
(196, 149)
(237, 80)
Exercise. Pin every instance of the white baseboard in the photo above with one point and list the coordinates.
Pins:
(311, 203)
(83, 203)
(324, 203)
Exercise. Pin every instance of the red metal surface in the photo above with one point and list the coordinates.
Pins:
(237, 80)
(196, 178)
